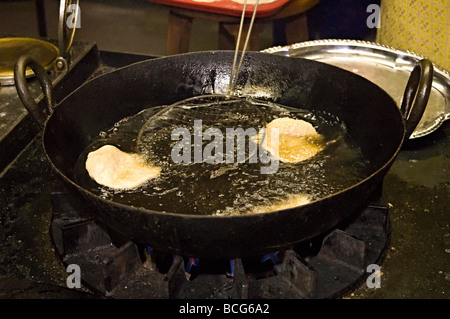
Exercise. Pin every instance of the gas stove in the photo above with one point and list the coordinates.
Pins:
(328, 266)
(398, 247)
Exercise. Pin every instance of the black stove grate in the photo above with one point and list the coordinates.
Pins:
(325, 267)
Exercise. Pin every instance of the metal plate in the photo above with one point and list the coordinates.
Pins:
(387, 67)
(12, 48)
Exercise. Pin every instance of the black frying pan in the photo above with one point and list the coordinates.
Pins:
(372, 117)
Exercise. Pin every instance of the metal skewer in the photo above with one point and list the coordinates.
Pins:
(234, 75)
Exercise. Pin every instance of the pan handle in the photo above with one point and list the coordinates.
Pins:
(24, 93)
(416, 95)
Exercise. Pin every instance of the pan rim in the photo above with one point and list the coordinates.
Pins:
(117, 205)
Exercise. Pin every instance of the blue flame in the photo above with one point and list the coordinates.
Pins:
(232, 263)
(271, 256)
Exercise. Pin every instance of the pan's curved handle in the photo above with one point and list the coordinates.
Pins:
(24, 93)
(416, 95)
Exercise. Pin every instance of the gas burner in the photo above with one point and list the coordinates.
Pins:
(328, 266)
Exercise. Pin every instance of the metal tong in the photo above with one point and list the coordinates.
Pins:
(234, 74)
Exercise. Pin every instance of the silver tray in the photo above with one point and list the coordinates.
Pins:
(387, 67)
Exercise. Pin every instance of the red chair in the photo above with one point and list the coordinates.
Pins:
(292, 14)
